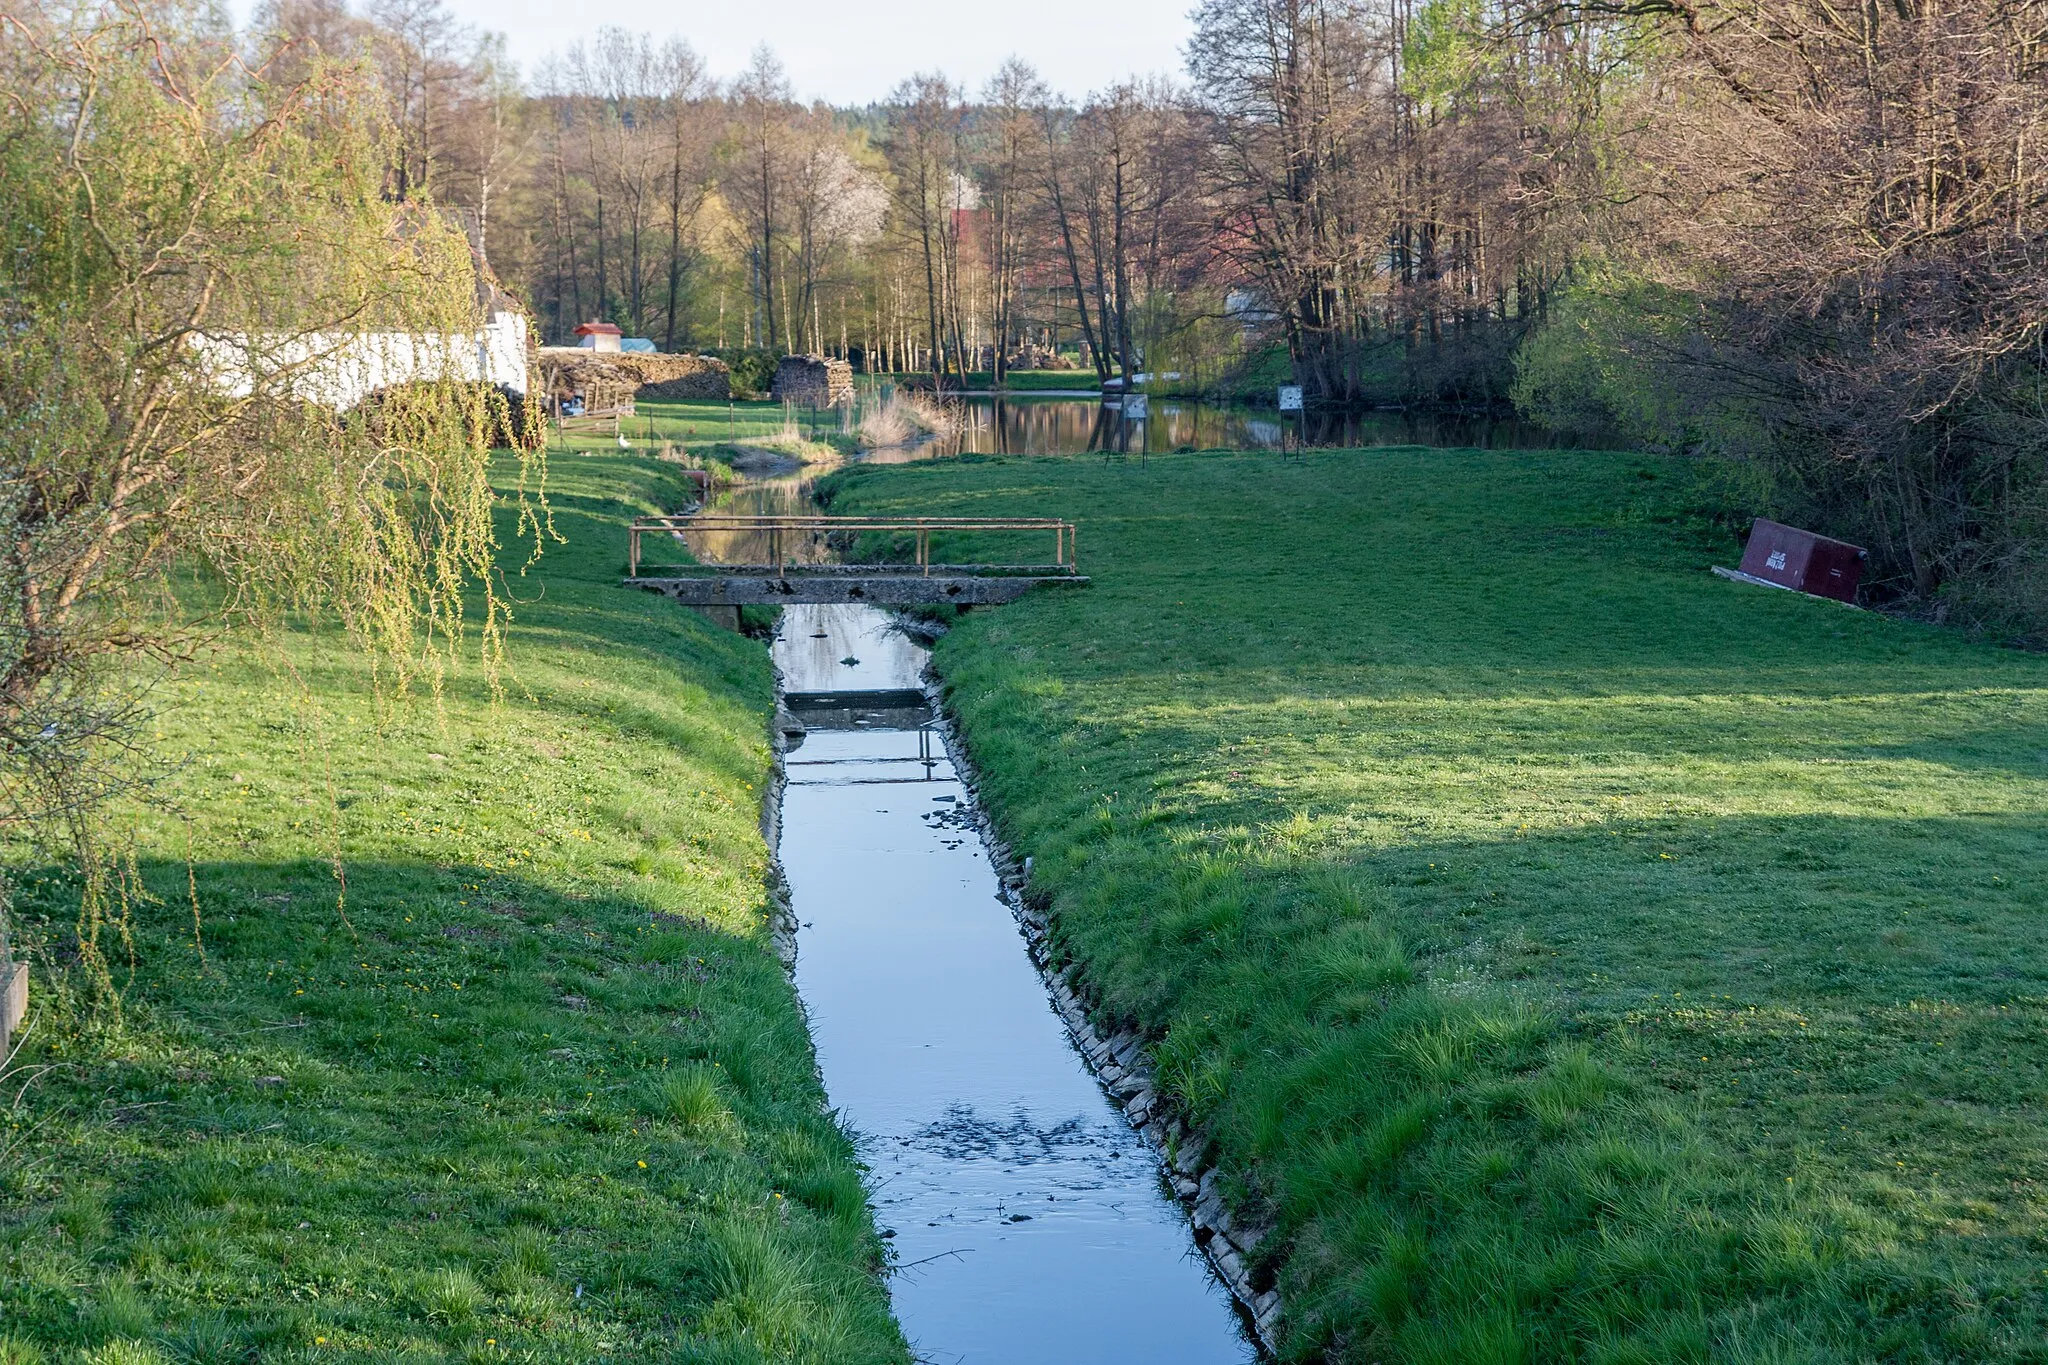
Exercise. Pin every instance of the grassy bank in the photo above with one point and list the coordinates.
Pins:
(1576, 956)
(533, 1089)
(689, 425)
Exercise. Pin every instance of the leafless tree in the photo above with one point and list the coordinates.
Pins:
(1006, 154)
(925, 152)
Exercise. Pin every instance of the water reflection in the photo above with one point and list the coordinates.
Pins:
(1078, 426)
(1028, 1221)
(1075, 426)
(783, 495)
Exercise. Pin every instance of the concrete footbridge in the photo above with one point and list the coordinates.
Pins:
(787, 560)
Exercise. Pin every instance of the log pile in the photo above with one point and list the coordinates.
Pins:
(615, 378)
(812, 381)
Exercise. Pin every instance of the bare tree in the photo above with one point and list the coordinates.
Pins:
(925, 152)
(836, 205)
(691, 138)
(1006, 156)
(1855, 198)
(757, 179)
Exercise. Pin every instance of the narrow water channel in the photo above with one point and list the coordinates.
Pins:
(1029, 1221)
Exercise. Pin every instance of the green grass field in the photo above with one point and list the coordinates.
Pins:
(1577, 956)
(692, 426)
(535, 1090)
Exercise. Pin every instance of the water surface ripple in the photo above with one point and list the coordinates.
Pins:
(1030, 1223)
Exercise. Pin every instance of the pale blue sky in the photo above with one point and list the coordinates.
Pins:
(853, 53)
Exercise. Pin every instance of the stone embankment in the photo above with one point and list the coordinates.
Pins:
(1117, 1058)
(1119, 1062)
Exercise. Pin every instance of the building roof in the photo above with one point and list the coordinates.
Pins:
(597, 329)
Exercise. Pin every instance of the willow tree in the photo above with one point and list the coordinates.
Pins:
(197, 265)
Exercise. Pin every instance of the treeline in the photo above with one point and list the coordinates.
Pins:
(1811, 237)
(1337, 180)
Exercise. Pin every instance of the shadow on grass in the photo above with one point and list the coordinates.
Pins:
(477, 1117)
(1705, 1091)
(1576, 956)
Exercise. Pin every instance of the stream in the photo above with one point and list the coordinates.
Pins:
(1030, 1223)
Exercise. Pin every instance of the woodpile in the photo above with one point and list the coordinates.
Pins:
(615, 378)
(599, 380)
(812, 381)
(676, 377)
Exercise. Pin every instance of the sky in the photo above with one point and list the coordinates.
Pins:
(855, 53)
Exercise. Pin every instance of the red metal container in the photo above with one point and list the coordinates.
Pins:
(1802, 561)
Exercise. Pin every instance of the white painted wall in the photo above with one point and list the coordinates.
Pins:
(339, 370)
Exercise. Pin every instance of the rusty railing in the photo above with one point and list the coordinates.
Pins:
(781, 529)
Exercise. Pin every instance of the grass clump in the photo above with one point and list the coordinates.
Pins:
(694, 1098)
(411, 1063)
(1572, 955)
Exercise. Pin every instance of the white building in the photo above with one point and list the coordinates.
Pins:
(340, 369)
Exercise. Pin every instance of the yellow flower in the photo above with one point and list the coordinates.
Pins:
(643, 1166)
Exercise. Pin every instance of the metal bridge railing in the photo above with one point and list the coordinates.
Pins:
(781, 530)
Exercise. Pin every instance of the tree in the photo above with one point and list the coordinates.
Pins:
(1833, 265)
(924, 147)
(1295, 92)
(191, 250)
(1008, 132)
(757, 179)
(691, 174)
(835, 205)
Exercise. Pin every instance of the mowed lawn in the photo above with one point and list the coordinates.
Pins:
(691, 426)
(1575, 955)
(452, 1028)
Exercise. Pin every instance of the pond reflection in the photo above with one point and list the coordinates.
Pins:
(1083, 426)
(1076, 426)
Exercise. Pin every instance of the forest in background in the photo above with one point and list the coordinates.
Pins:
(1808, 237)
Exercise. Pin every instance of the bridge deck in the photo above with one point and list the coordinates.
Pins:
(750, 586)
(782, 582)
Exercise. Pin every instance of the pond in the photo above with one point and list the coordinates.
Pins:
(1076, 426)
(1083, 426)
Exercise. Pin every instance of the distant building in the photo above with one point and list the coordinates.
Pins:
(339, 370)
(599, 336)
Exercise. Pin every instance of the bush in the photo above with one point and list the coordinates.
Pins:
(753, 369)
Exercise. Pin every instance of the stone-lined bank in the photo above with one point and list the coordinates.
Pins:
(1008, 1181)
(1119, 1061)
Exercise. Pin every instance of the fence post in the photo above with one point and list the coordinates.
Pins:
(633, 552)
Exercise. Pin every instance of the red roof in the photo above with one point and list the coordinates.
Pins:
(598, 329)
